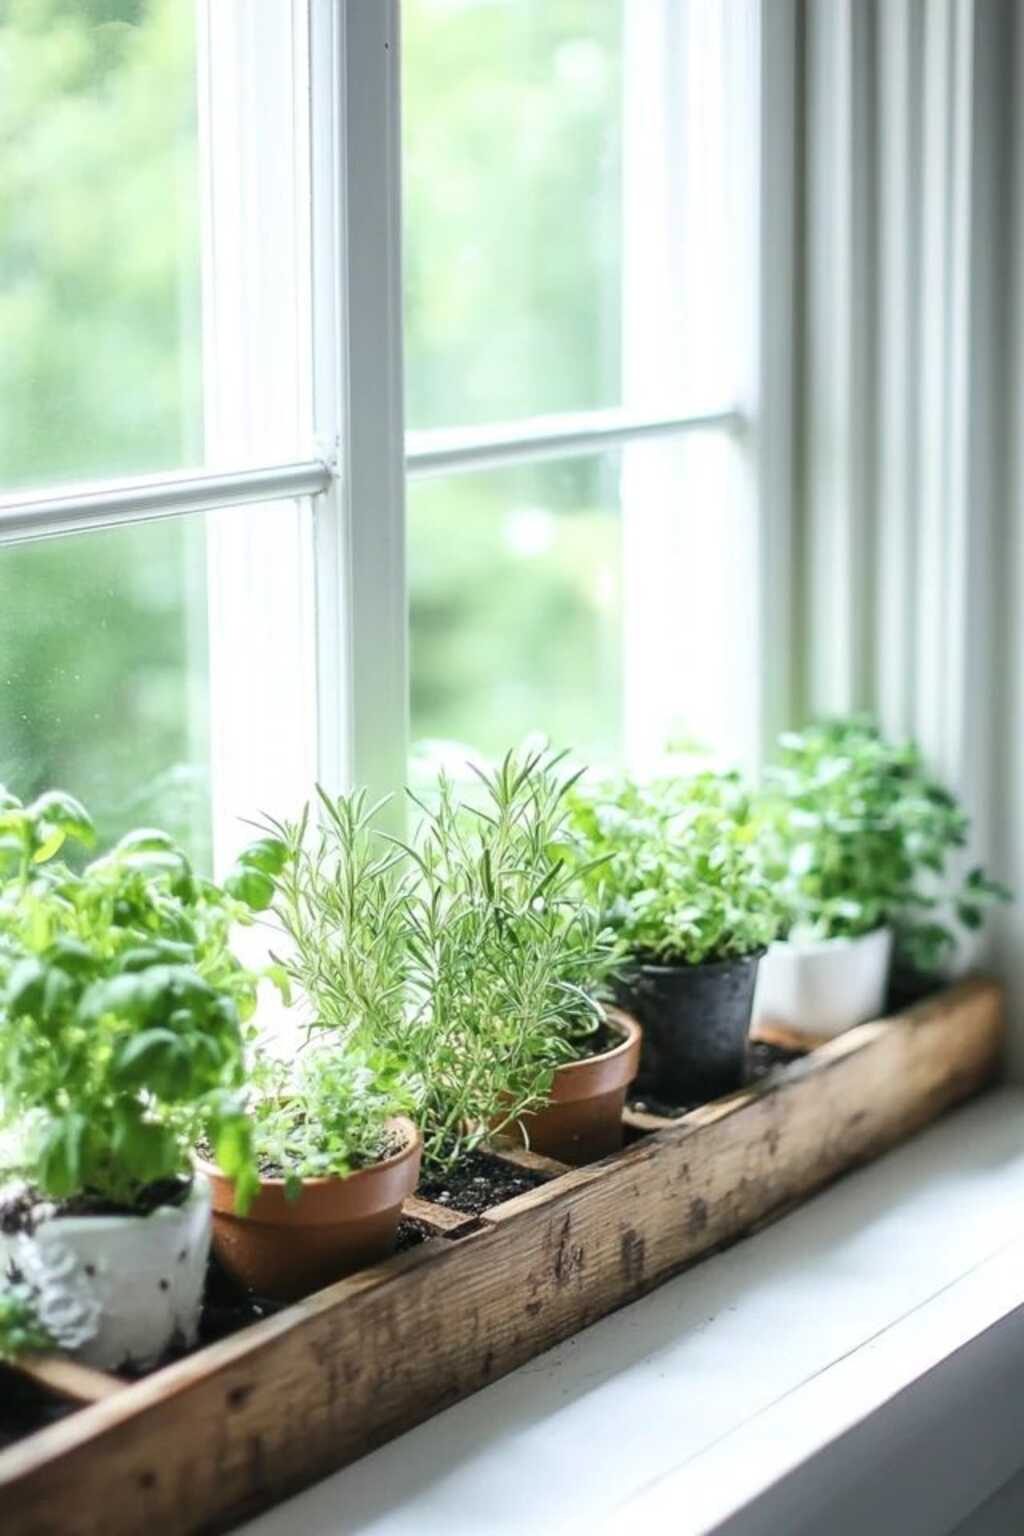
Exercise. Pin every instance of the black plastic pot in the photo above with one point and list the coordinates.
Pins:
(696, 1019)
(908, 985)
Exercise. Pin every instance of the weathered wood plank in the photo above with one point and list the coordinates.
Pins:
(528, 1160)
(239, 1426)
(66, 1378)
(439, 1218)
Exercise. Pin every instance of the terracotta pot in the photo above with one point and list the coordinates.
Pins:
(287, 1248)
(583, 1118)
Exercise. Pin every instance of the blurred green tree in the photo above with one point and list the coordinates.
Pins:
(102, 635)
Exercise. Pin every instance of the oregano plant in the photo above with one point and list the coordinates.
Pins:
(861, 835)
(677, 866)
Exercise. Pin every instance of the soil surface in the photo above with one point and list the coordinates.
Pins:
(603, 1039)
(477, 1183)
(23, 1208)
(762, 1060)
(24, 1408)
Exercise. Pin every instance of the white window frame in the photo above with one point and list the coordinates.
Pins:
(356, 478)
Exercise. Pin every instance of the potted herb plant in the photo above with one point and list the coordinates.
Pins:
(120, 1042)
(860, 837)
(336, 1153)
(511, 964)
(676, 867)
(336, 1160)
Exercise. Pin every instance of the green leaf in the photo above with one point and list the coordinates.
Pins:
(251, 887)
(52, 844)
(268, 855)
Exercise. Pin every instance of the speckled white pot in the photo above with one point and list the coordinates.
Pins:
(826, 987)
(118, 1290)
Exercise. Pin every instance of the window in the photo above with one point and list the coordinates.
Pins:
(241, 544)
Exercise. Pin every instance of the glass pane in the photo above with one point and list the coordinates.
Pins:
(137, 671)
(605, 603)
(151, 212)
(512, 116)
(103, 643)
(99, 243)
(516, 612)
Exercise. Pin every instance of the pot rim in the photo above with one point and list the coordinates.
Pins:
(841, 941)
(200, 1194)
(413, 1144)
(657, 969)
(615, 1018)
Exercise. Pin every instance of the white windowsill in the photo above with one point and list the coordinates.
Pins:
(855, 1367)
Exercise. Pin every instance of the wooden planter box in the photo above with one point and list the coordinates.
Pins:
(211, 1439)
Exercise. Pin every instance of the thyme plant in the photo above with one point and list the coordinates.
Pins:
(678, 868)
(861, 836)
(323, 1114)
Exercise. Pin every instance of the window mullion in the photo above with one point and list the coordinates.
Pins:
(360, 533)
(254, 163)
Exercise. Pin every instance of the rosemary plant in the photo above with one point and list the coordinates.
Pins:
(509, 959)
(467, 962)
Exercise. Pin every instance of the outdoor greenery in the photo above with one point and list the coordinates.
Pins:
(682, 880)
(512, 137)
(100, 367)
(860, 835)
(121, 1008)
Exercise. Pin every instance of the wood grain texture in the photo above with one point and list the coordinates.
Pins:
(66, 1378)
(216, 1437)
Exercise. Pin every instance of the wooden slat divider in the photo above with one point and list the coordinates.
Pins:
(67, 1378)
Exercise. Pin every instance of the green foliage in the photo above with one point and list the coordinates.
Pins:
(21, 1330)
(336, 893)
(860, 835)
(120, 1010)
(466, 964)
(681, 879)
(323, 1114)
(340, 894)
(509, 958)
(100, 344)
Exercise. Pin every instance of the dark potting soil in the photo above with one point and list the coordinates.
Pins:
(410, 1234)
(603, 1039)
(22, 1208)
(762, 1061)
(26, 1407)
(477, 1183)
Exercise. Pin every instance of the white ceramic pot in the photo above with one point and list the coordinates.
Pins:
(824, 987)
(119, 1290)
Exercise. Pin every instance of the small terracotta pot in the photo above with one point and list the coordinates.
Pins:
(288, 1248)
(583, 1118)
